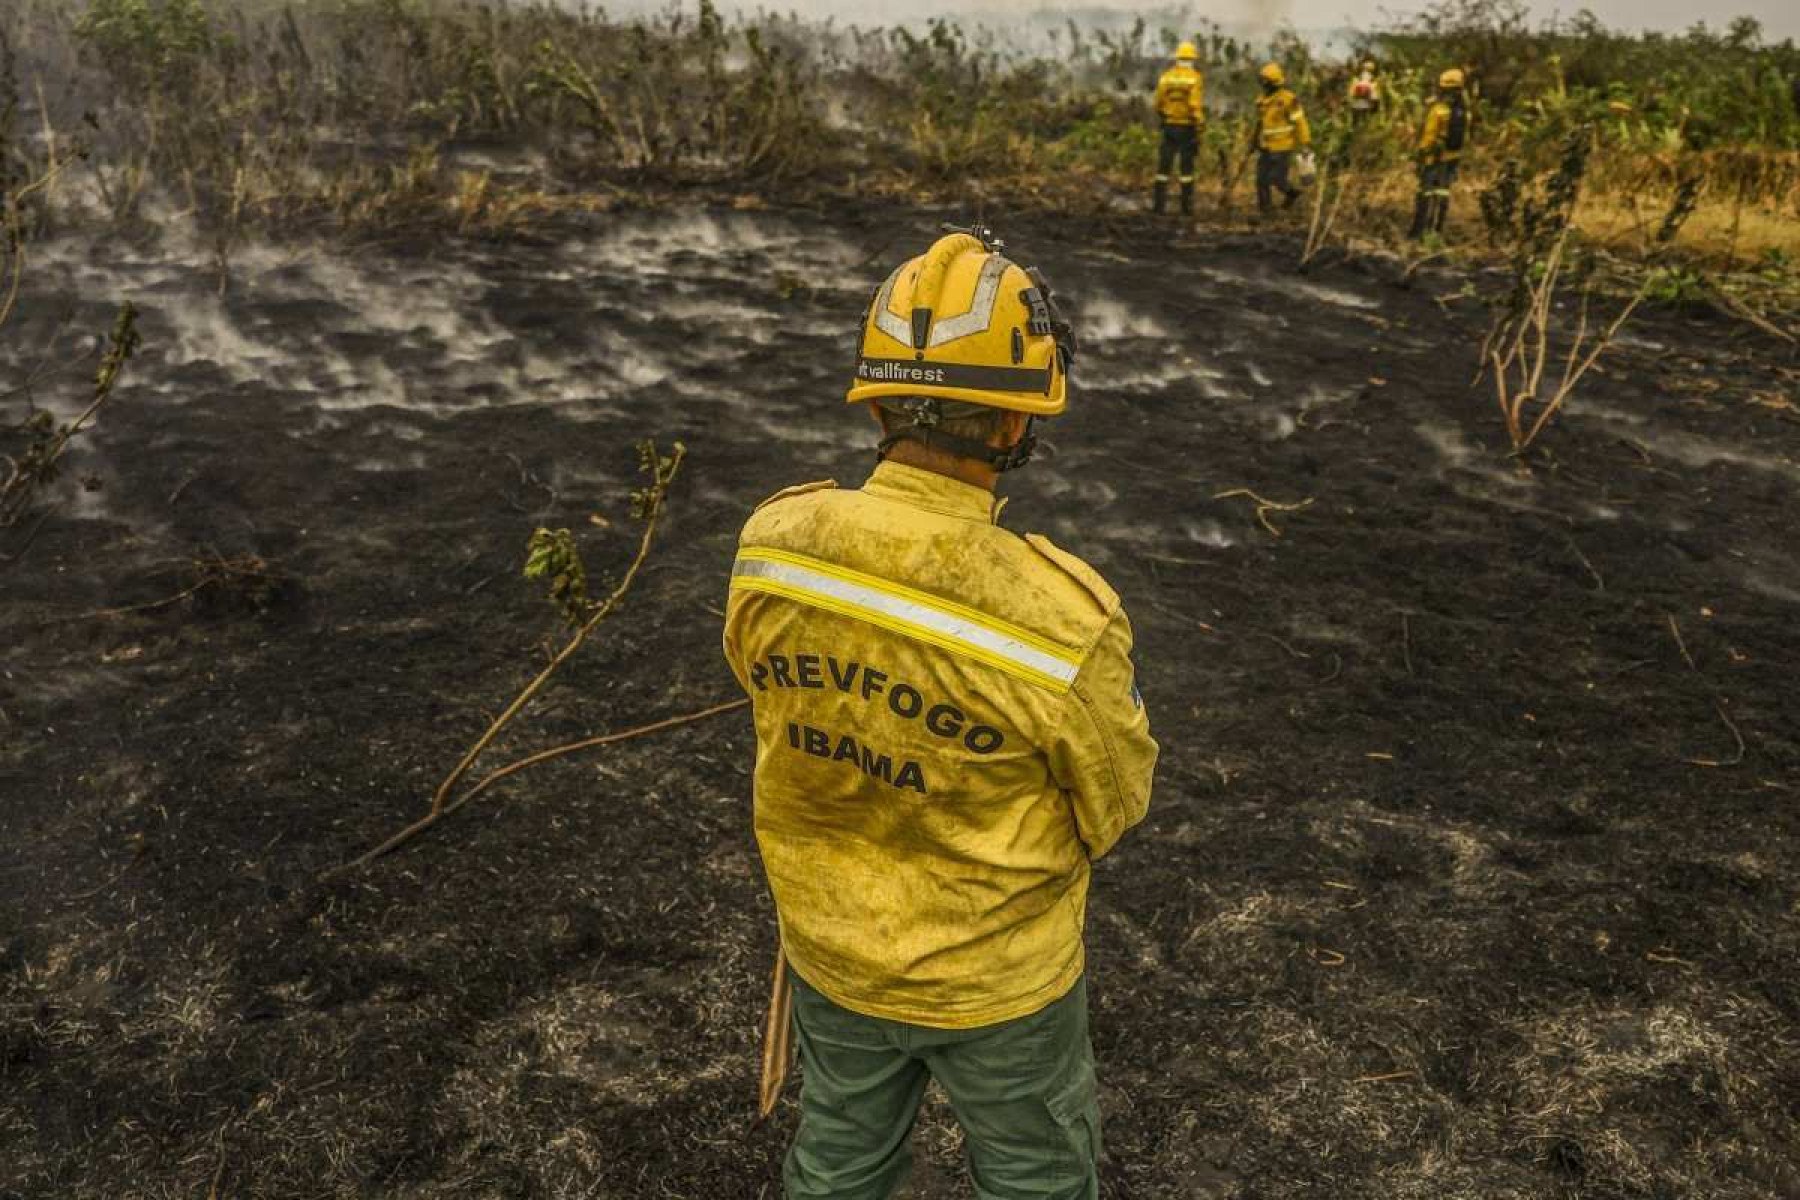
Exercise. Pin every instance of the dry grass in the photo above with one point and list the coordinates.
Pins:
(1720, 234)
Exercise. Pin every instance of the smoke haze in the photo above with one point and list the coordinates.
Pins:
(1780, 18)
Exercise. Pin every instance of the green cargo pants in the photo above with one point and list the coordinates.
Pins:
(1023, 1091)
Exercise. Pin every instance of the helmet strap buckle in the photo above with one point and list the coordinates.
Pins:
(926, 413)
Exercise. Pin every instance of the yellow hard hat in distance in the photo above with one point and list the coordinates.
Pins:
(1451, 79)
(1272, 73)
(963, 322)
(1186, 52)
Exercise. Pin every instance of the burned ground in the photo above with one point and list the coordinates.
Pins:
(1437, 898)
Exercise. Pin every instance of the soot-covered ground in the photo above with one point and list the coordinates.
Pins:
(1436, 897)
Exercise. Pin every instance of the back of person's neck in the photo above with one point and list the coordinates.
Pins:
(924, 458)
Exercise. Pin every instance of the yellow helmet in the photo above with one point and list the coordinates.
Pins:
(1451, 80)
(1272, 73)
(1186, 52)
(962, 322)
(1369, 65)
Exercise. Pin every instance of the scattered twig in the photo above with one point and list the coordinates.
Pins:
(1293, 652)
(1264, 507)
(1736, 758)
(1389, 1077)
(1745, 313)
(604, 739)
(1680, 642)
(1178, 615)
(1406, 642)
(1174, 560)
(1599, 583)
(438, 813)
(215, 572)
(1412, 267)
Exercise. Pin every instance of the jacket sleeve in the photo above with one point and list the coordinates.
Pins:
(734, 657)
(1101, 752)
(1302, 130)
(1433, 130)
(1198, 100)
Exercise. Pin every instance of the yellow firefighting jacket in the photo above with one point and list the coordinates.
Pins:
(1432, 138)
(1180, 95)
(948, 734)
(1281, 122)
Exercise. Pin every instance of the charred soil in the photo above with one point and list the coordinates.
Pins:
(1471, 871)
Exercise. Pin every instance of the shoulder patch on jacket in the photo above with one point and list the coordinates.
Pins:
(1083, 574)
(799, 489)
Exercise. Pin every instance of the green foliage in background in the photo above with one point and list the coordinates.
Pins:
(149, 46)
(352, 112)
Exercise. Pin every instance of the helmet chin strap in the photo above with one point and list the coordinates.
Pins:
(1000, 458)
(919, 417)
(923, 416)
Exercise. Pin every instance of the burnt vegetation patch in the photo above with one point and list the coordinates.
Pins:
(1470, 870)
(1473, 863)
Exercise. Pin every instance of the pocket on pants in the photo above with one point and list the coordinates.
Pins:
(1074, 1103)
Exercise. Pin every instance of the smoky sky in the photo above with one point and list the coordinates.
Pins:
(1780, 18)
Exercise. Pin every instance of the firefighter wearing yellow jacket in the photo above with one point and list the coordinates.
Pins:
(1180, 106)
(948, 735)
(1440, 149)
(1281, 129)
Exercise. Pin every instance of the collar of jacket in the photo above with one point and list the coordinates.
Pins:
(933, 492)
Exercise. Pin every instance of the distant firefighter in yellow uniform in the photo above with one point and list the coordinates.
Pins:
(948, 735)
(1281, 129)
(1440, 149)
(1180, 106)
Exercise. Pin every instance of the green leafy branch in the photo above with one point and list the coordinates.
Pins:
(42, 459)
(553, 555)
